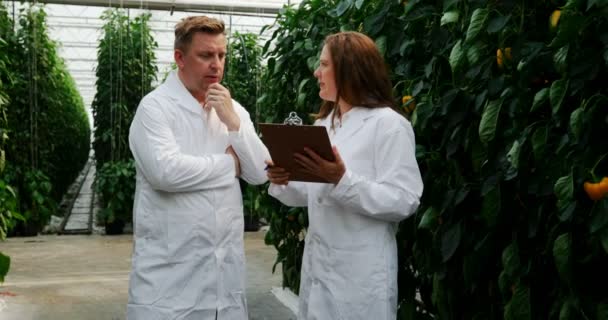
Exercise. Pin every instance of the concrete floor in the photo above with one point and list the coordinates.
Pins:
(86, 277)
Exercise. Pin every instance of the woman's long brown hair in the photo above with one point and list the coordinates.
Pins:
(360, 73)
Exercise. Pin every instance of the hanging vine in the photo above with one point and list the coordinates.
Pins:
(8, 198)
(47, 122)
(125, 72)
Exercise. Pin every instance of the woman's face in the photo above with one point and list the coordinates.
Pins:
(325, 76)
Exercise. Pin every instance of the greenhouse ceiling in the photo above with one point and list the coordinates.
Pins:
(271, 7)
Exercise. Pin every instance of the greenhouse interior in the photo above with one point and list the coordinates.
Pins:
(303, 159)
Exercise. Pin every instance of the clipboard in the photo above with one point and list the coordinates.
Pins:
(284, 140)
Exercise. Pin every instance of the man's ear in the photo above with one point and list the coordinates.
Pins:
(178, 55)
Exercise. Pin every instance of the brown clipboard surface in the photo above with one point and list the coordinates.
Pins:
(283, 141)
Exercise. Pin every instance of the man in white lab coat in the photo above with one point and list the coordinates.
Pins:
(191, 142)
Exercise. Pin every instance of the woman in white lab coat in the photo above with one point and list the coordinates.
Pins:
(349, 268)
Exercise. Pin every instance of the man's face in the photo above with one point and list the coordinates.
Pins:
(203, 62)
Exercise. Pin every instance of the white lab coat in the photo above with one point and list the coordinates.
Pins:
(349, 268)
(188, 257)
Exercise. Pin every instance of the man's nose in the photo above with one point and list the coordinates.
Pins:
(215, 63)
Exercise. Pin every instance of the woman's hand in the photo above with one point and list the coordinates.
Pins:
(276, 175)
(317, 166)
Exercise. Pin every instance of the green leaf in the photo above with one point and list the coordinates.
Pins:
(301, 218)
(447, 4)
(561, 256)
(429, 219)
(571, 5)
(504, 283)
(490, 207)
(449, 17)
(450, 241)
(268, 238)
(576, 122)
(604, 239)
(539, 98)
(5, 264)
(599, 218)
(302, 84)
(519, 306)
(564, 188)
(405, 45)
(457, 56)
(478, 21)
(567, 310)
(557, 94)
(278, 66)
(312, 62)
(602, 311)
(359, 4)
(407, 309)
(437, 291)
(497, 24)
(301, 100)
(428, 69)
(510, 260)
(513, 155)
(381, 44)
(308, 45)
(591, 3)
(474, 54)
(489, 121)
(568, 28)
(343, 6)
(560, 59)
(565, 209)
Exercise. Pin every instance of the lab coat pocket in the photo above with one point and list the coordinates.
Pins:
(183, 237)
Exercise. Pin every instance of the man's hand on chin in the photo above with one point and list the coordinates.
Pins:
(218, 98)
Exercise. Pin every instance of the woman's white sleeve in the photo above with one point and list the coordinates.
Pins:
(295, 194)
(396, 191)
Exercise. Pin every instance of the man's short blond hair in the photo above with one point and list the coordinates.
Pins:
(187, 27)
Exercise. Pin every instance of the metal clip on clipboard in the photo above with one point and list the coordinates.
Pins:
(293, 119)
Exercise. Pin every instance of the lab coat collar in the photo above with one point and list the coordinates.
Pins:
(177, 91)
(352, 121)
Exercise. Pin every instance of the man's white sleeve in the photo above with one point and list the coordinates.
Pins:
(162, 163)
(251, 151)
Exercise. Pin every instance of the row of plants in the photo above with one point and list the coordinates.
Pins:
(44, 129)
(46, 121)
(509, 110)
(126, 69)
(242, 76)
(8, 199)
